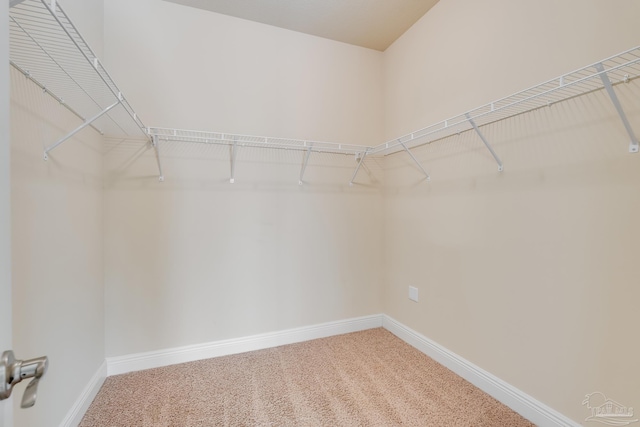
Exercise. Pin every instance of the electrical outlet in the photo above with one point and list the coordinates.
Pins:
(413, 293)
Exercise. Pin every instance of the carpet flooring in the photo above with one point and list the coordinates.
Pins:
(368, 378)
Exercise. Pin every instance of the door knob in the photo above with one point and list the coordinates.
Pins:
(13, 371)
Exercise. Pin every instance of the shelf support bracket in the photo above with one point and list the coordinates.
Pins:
(79, 128)
(304, 163)
(234, 155)
(156, 147)
(486, 143)
(358, 168)
(633, 146)
(415, 160)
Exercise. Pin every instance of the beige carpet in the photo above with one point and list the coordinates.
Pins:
(368, 378)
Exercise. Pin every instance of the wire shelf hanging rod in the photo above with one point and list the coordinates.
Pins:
(53, 59)
(633, 145)
(579, 70)
(421, 136)
(53, 95)
(487, 107)
(432, 135)
(181, 135)
(353, 177)
(559, 89)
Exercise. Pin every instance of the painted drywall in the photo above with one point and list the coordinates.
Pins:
(88, 17)
(186, 68)
(530, 273)
(196, 259)
(426, 81)
(57, 242)
(5, 211)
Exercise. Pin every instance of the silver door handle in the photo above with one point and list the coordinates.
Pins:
(13, 371)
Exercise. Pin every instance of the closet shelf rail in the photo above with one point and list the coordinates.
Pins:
(605, 74)
(219, 138)
(47, 49)
(235, 142)
(609, 72)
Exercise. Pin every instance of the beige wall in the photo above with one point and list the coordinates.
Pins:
(186, 68)
(5, 221)
(463, 54)
(196, 259)
(88, 17)
(530, 274)
(57, 234)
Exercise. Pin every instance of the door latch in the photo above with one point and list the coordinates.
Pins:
(13, 371)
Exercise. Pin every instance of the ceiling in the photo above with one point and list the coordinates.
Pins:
(374, 24)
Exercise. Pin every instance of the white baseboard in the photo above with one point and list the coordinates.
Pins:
(156, 359)
(522, 403)
(77, 411)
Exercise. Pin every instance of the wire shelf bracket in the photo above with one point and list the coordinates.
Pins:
(156, 146)
(486, 143)
(304, 163)
(416, 161)
(236, 141)
(232, 157)
(361, 160)
(633, 145)
(79, 128)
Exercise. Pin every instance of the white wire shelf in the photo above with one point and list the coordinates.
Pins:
(620, 68)
(236, 141)
(47, 48)
(181, 135)
(605, 74)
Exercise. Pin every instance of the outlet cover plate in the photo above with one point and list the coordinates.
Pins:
(413, 293)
